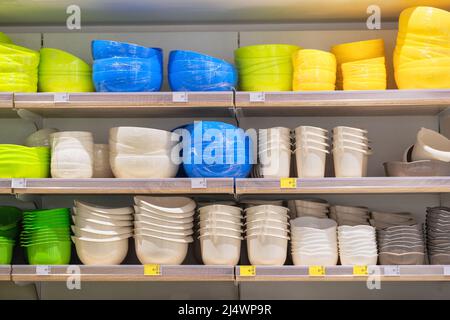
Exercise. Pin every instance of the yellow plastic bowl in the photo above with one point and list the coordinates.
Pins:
(364, 85)
(311, 58)
(4, 38)
(267, 68)
(12, 49)
(12, 87)
(311, 86)
(315, 75)
(59, 61)
(360, 50)
(427, 21)
(66, 83)
(11, 66)
(364, 67)
(24, 162)
(424, 74)
(269, 82)
(266, 50)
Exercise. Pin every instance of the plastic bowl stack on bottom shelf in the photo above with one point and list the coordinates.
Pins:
(274, 152)
(18, 68)
(438, 235)
(102, 168)
(163, 229)
(267, 234)
(382, 220)
(265, 67)
(351, 150)
(24, 162)
(220, 234)
(142, 152)
(72, 155)
(367, 74)
(309, 208)
(314, 70)
(9, 230)
(46, 236)
(314, 242)
(311, 149)
(101, 233)
(194, 71)
(60, 71)
(126, 67)
(350, 216)
(357, 245)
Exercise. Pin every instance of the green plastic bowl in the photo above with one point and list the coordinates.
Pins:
(266, 50)
(24, 162)
(270, 82)
(10, 233)
(58, 61)
(6, 252)
(50, 253)
(4, 38)
(66, 83)
(17, 88)
(9, 217)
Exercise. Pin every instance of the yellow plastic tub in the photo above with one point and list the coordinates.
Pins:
(313, 70)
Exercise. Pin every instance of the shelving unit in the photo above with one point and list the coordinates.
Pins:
(6, 105)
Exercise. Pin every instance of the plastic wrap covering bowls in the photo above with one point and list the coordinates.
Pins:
(311, 149)
(274, 152)
(216, 149)
(265, 67)
(314, 70)
(104, 49)
(46, 236)
(143, 153)
(24, 162)
(192, 71)
(438, 239)
(357, 245)
(367, 74)
(430, 145)
(102, 168)
(40, 138)
(72, 155)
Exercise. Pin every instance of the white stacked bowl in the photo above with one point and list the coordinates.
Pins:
(314, 241)
(310, 208)
(274, 152)
(267, 234)
(351, 150)
(220, 234)
(72, 155)
(143, 153)
(102, 168)
(101, 233)
(357, 245)
(311, 149)
(163, 229)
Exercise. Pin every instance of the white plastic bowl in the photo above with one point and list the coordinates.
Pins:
(138, 216)
(267, 250)
(312, 203)
(175, 205)
(161, 231)
(101, 251)
(310, 162)
(171, 235)
(218, 208)
(145, 167)
(144, 137)
(164, 225)
(266, 222)
(101, 209)
(350, 162)
(151, 212)
(221, 231)
(361, 260)
(275, 162)
(351, 130)
(312, 222)
(309, 129)
(99, 216)
(319, 259)
(219, 223)
(99, 234)
(102, 168)
(96, 223)
(160, 250)
(431, 145)
(220, 250)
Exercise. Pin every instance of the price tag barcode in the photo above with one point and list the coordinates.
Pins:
(360, 270)
(199, 183)
(391, 270)
(247, 271)
(18, 183)
(316, 271)
(42, 270)
(257, 97)
(152, 270)
(288, 183)
(61, 97)
(180, 97)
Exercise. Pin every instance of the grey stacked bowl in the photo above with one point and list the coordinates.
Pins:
(438, 235)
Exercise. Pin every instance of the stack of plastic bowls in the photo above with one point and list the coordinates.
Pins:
(422, 55)
(46, 236)
(311, 149)
(367, 74)
(350, 216)
(101, 233)
(382, 220)
(60, 71)
(4, 38)
(126, 67)
(351, 151)
(220, 234)
(9, 230)
(193, 71)
(357, 245)
(356, 51)
(314, 242)
(309, 208)
(163, 229)
(142, 152)
(18, 68)
(274, 152)
(213, 149)
(265, 67)
(40, 138)
(267, 234)
(72, 155)
(102, 168)
(24, 162)
(314, 70)
(438, 235)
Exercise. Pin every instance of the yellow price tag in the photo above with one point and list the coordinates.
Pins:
(247, 271)
(152, 270)
(316, 271)
(288, 183)
(360, 271)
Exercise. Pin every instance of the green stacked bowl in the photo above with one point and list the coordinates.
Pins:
(24, 162)
(46, 236)
(9, 230)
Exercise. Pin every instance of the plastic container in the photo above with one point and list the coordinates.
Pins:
(160, 250)
(350, 162)
(310, 162)
(6, 252)
(431, 145)
(267, 250)
(104, 49)
(143, 167)
(49, 253)
(220, 250)
(275, 162)
(101, 251)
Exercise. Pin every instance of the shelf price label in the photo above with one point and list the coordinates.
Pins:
(247, 271)
(180, 97)
(257, 97)
(42, 270)
(360, 270)
(288, 183)
(152, 270)
(61, 97)
(315, 271)
(391, 270)
(199, 183)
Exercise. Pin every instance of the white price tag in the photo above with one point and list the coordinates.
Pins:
(257, 97)
(18, 183)
(391, 270)
(180, 97)
(199, 183)
(43, 270)
(61, 97)
(446, 270)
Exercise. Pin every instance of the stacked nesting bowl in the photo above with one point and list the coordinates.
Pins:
(126, 67)
(382, 220)
(60, 71)
(274, 152)
(357, 245)
(350, 216)
(438, 235)
(163, 229)
(40, 138)
(193, 71)
(24, 162)
(314, 70)
(265, 67)
(46, 236)
(311, 149)
(9, 230)
(317, 208)
(367, 74)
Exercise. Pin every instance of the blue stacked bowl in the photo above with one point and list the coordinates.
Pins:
(126, 67)
(193, 71)
(216, 150)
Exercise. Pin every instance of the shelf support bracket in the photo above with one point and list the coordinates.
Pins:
(37, 120)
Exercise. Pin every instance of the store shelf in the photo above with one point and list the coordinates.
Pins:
(121, 273)
(185, 186)
(5, 273)
(131, 105)
(6, 105)
(345, 185)
(5, 186)
(345, 273)
(343, 103)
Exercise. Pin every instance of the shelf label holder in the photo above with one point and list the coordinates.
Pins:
(180, 97)
(392, 271)
(61, 97)
(360, 271)
(42, 270)
(152, 270)
(247, 271)
(288, 183)
(446, 270)
(18, 183)
(257, 97)
(199, 183)
(316, 271)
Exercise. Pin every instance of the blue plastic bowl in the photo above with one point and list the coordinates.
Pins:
(192, 55)
(202, 80)
(127, 81)
(198, 162)
(127, 64)
(194, 65)
(103, 49)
